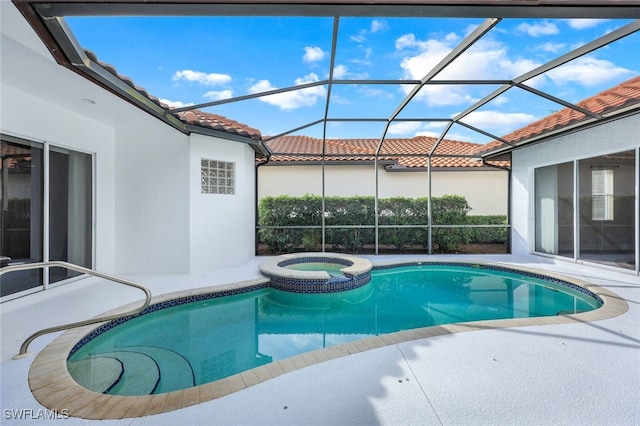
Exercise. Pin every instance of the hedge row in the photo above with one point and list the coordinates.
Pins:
(349, 211)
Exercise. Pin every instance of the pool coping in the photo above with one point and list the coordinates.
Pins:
(271, 266)
(54, 388)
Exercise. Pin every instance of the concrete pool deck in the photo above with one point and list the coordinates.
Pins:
(573, 373)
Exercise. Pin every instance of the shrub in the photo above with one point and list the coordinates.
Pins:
(487, 235)
(400, 211)
(287, 211)
(360, 210)
(356, 210)
(447, 210)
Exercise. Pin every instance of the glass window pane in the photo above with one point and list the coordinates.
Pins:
(602, 193)
(607, 211)
(70, 210)
(21, 185)
(554, 209)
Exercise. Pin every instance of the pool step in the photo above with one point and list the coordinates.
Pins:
(121, 373)
(140, 375)
(134, 370)
(98, 374)
(175, 371)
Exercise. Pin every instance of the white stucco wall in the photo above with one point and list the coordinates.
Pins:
(485, 191)
(615, 136)
(146, 172)
(152, 199)
(18, 112)
(221, 225)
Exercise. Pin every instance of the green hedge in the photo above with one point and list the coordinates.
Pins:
(487, 235)
(345, 211)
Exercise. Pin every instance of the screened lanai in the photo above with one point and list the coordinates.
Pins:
(378, 127)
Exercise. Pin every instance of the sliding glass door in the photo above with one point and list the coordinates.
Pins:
(607, 209)
(47, 211)
(601, 226)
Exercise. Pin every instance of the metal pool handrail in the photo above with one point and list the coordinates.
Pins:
(57, 263)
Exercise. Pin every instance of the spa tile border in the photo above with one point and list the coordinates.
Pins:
(356, 273)
(54, 388)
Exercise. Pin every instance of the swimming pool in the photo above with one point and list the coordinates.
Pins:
(190, 341)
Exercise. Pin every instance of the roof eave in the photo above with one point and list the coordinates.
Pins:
(256, 144)
(276, 162)
(588, 122)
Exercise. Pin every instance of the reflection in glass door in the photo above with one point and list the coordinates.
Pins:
(21, 221)
(70, 201)
(554, 209)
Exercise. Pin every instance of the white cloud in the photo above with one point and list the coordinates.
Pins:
(452, 38)
(340, 71)
(587, 71)
(404, 127)
(538, 29)
(581, 24)
(293, 99)
(219, 95)
(407, 40)
(455, 136)
(486, 60)
(359, 38)
(313, 54)
(378, 25)
(431, 134)
(175, 104)
(340, 100)
(522, 66)
(551, 47)
(501, 100)
(204, 79)
(497, 121)
(416, 128)
(373, 92)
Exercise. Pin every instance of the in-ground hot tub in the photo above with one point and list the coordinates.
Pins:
(317, 272)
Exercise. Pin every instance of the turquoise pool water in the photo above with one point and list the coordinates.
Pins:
(199, 342)
(333, 269)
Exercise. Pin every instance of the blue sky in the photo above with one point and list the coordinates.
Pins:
(187, 61)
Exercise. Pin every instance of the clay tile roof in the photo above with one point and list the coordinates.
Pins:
(401, 152)
(194, 117)
(218, 122)
(623, 95)
(112, 70)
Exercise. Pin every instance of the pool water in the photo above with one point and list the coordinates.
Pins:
(333, 269)
(199, 342)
